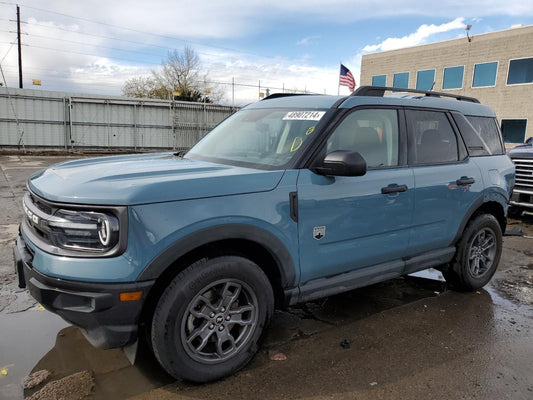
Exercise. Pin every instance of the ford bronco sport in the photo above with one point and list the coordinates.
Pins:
(291, 199)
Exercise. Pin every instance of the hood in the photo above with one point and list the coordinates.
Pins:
(522, 151)
(141, 179)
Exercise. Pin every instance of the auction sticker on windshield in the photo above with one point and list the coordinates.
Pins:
(304, 115)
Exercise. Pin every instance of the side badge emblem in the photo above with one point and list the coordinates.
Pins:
(319, 232)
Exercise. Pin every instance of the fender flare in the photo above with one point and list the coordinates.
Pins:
(205, 236)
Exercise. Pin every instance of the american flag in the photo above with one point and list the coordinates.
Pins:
(346, 78)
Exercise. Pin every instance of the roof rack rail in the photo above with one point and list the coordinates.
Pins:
(379, 91)
(276, 95)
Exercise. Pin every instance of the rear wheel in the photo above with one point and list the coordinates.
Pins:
(209, 319)
(478, 254)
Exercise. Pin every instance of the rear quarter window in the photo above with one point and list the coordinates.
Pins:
(488, 131)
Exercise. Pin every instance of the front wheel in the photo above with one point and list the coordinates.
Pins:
(478, 254)
(209, 319)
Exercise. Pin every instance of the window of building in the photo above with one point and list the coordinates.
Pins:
(432, 138)
(520, 71)
(514, 130)
(379, 80)
(453, 77)
(401, 80)
(425, 79)
(485, 74)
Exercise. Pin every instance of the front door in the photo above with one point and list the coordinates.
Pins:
(347, 223)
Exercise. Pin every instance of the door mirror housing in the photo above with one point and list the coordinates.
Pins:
(342, 163)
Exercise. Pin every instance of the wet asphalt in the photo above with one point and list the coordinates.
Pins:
(408, 338)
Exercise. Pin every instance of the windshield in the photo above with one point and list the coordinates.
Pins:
(260, 137)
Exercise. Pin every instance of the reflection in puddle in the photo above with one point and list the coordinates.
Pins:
(115, 377)
(24, 338)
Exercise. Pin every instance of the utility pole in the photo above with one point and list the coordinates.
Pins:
(20, 47)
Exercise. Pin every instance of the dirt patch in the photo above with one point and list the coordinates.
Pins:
(73, 387)
(516, 284)
(36, 379)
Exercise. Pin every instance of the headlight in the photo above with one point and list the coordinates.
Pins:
(83, 230)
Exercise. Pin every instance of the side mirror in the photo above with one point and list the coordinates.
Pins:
(529, 141)
(342, 163)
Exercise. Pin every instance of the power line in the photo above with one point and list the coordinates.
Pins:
(141, 32)
(120, 40)
(93, 45)
(94, 35)
(88, 54)
(10, 47)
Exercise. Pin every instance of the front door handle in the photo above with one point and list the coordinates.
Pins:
(465, 180)
(393, 188)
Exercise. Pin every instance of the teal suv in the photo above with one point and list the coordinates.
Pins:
(290, 199)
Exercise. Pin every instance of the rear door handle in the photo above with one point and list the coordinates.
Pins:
(393, 188)
(465, 180)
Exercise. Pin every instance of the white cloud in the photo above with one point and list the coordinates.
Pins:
(306, 40)
(94, 67)
(219, 19)
(420, 36)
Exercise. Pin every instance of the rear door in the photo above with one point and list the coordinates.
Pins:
(447, 182)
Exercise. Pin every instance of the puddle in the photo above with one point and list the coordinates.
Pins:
(25, 337)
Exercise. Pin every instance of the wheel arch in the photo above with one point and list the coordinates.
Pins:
(256, 244)
(494, 208)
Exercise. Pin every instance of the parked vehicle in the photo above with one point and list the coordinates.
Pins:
(522, 198)
(291, 199)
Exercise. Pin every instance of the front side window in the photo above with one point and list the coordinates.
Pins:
(372, 133)
(485, 74)
(433, 140)
(520, 71)
(268, 138)
(425, 79)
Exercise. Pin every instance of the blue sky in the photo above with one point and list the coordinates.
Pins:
(94, 46)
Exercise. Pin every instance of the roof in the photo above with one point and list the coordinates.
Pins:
(299, 101)
(465, 107)
(326, 101)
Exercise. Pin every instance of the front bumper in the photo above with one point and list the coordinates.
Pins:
(522, 199)
(95, 308)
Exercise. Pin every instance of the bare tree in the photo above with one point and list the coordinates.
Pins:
(142, 86)
(180, 73)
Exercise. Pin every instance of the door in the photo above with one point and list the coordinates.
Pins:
(447, 182)
(347, 223)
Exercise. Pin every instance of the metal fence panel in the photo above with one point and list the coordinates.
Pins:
(54, 119)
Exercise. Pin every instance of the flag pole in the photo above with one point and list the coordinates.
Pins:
(339, 85)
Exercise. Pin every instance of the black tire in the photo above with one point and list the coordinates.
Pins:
(478, 254)
(209, 319)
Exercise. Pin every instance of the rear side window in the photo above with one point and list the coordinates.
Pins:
(432, 138)
(488, 130)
